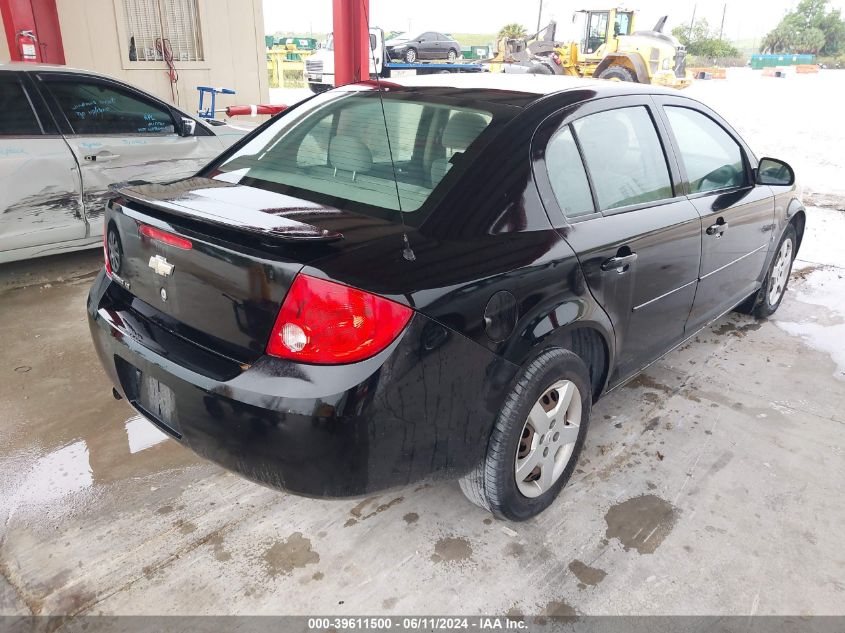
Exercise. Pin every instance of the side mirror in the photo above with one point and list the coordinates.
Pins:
(772, 171)
(187, 126)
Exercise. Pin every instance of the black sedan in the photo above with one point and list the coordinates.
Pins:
(435, 281)
(412, 47)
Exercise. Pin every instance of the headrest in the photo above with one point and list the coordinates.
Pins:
(350, 154)
(605, 131)
(462, 129)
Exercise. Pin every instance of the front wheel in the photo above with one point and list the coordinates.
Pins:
(536, 439)
(768, 298)
(410, 56)
(620, 73)
(453, 55)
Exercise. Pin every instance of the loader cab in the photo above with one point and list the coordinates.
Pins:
(602, 28)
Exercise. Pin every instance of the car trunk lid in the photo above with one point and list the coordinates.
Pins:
(221, 278)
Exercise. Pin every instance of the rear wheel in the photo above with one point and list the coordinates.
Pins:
(536, 439)
(453, 55)
(410, 56)
(619, 73)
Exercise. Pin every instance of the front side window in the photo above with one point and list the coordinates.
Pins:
(96, 108)
(624, 157)
(623, 24)
(712, 158)
(596, 31)
(337, 147)
(567, 175)
(18, 117)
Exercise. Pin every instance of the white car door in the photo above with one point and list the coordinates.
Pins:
(120, 134)
(40, 187)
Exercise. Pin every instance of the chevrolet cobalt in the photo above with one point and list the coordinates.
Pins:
(434, 279)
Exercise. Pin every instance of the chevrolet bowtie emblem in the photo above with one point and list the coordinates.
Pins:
(161, 266)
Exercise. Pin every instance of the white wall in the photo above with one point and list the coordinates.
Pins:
(4, 46)
(233, 44)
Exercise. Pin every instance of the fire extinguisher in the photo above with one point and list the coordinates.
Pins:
(27, 46)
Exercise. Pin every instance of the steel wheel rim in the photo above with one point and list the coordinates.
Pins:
(114, 251)
(452, 56)
(548, 437)
(780, 272)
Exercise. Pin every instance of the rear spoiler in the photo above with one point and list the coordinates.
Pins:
(257, 222)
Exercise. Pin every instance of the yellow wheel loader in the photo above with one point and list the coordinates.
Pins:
(609, 48)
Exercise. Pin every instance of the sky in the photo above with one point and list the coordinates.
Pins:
(744, 19)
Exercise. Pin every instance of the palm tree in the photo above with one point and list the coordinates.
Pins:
(512, 31)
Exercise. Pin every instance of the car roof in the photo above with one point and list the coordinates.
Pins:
(529, 85)
(50, 68)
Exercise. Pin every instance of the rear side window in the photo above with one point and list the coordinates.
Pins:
(567, 175)
(712, 158)
(96, 108)
(340, 146)
(624, 157)
(17, 117)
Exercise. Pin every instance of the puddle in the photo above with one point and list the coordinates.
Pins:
(59, 481)
(452, 550)
(824, 333)
(585, 574)
(52, 477)
(641, 523)
(142, 434)
(295, 552)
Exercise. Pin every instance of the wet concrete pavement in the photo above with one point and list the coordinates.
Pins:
(710, 484)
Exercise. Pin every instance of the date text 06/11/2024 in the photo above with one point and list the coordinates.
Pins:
(428, 623)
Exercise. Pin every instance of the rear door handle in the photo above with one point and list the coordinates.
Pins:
(619, 263)
(718, 228)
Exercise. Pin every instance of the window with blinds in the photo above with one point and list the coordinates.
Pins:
(154, 26)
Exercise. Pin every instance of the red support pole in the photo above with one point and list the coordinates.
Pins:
(351, 41)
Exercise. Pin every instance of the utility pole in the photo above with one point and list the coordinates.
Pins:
(722, 28)
(540, 16)
(692, 22)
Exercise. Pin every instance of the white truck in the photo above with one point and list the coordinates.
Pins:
(319, 67)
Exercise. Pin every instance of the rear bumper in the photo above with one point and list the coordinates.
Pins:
(422, 408)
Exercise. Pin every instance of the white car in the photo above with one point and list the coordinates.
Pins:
(68, 136)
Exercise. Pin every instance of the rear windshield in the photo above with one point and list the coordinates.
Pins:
(337, 147)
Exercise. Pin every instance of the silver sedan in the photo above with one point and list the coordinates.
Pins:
(68, 136)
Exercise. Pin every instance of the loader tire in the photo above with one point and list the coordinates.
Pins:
(619, 73)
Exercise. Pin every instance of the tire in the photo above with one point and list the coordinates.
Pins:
(768, 298)
(618, 72)
(410, 56)
(452, 55)
(514, 443)
(539, 69)
(318, 88)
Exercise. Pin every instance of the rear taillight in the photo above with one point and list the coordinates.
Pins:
(163, 236)
(327, 323)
